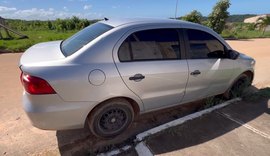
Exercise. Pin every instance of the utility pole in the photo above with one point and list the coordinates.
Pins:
(176, 8)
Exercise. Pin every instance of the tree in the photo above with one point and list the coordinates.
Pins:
(49, 25)
(71, 25)
(76, 21)
(263, 23)
(217, 19)
(84, 23)
(195, 17)
(61, 25)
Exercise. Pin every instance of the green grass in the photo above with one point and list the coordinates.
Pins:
(212, 101)
(245, 34)
(20, 45)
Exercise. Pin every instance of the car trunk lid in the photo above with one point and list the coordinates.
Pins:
(42, 52)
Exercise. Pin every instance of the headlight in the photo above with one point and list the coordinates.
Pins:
(252, 62)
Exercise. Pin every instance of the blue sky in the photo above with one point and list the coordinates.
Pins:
(92, 9)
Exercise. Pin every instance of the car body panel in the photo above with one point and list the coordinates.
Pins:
(165, 81)
(243, 64)
(214, 78)
(72, 84)
(51, 112)
(42, 52)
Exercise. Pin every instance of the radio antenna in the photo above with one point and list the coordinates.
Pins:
(176, 8)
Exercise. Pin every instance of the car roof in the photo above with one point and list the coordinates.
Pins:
(134, 21)
(141, 21)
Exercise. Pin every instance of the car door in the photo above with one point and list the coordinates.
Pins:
(210, 69)
(149, 62)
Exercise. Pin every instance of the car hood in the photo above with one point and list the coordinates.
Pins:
(42, 52)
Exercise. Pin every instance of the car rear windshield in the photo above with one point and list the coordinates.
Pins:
(83, 37)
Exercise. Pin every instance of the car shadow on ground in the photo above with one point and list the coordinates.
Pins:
(210, 127)
(82, 142)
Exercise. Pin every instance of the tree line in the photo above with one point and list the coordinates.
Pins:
(61, 25)
(216, 20)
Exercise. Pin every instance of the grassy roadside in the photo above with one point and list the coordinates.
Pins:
(19, 45)
(244, 34)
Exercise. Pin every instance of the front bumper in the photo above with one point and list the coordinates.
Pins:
(50, 112)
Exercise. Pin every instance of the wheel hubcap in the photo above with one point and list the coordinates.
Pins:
(113, 120)
(238, 89)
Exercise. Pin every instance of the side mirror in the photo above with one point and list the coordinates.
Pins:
(233, 54)
(216, 54)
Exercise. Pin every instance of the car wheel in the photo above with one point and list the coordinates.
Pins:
(111, 118)
(239, 86)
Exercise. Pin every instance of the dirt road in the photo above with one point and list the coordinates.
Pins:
(18, 137)
(259, 49)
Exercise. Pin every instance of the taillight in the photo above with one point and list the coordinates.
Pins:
(36, 85)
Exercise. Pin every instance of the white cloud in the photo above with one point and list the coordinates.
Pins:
(87, 7)
(4, 9)
(33, 13)
(44, 14)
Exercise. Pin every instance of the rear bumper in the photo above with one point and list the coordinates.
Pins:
(50, 112)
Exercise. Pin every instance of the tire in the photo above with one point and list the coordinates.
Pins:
(238, 87)
(111, 118)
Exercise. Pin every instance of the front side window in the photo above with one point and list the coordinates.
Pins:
(155, 44)
(83, 37)
(203, 45)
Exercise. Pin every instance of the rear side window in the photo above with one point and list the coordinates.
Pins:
(83, 37)
(155, 44)
(203, 45)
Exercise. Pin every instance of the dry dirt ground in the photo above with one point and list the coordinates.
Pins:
(18, 137)
(259, 49)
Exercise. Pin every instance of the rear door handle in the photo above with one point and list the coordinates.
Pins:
(196, 72)
(137, 77)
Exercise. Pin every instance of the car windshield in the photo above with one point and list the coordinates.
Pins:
(81, 38)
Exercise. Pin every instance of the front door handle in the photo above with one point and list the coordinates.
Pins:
(137, 77)
(196, 72)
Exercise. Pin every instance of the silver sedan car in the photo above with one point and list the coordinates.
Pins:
(114, 70)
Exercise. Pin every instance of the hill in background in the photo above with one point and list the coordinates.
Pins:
(235, 18)
(232, 18)
(239, 18)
